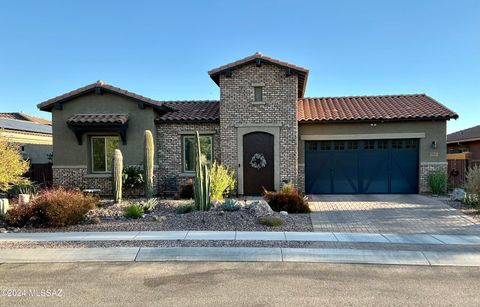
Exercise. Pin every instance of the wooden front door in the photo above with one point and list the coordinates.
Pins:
(258, 163)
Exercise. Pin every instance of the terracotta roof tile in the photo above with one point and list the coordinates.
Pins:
(390, 107)
(48, 105)
(196, 110)
(98, 119)
(470, 134)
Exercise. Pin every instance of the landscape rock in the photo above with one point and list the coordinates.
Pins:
(260, 208)
(3, 230)
(284, 213)
(215, 204)
(458, 194)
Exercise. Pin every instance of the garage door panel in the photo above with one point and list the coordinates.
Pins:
(373, 169)
(318, 177)
(345, 172)
(366, 167)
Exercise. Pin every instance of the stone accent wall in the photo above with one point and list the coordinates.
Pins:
(280, 108)
(79, 178)
(425, 169)
(301, 178)
(169, 148)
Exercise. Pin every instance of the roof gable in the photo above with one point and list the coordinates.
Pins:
(99, 87)
(259, 58)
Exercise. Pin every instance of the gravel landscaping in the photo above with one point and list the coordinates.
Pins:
(110, 217)
(473, 213)
(283, 244)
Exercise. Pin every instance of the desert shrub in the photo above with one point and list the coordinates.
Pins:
(271, 221)
(472, 186)
(437, 181)
(222, 181)
(187, 208)
(25, 187)
(133, 211)
(185, 191)
(12, 165)
(231, 205)
(53, 208)
(132, 177)
(290, 201)
(289, 187)
(149, 205)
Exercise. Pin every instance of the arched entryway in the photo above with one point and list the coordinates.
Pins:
(258, 162)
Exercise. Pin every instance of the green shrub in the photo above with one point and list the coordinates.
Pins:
(53, 208)
(271, 221)
(231, 205)
(472, 186)
(133, 211)
(132, 177)
(222, 181)
(149, 205)
(292, 202)
(185, 191)
(187, 208)
(23, 188)
(437, 181)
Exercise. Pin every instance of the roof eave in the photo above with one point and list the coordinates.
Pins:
(333, 121)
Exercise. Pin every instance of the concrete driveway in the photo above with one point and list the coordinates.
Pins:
(388, 214)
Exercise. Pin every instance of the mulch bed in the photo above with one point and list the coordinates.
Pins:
(165, 218)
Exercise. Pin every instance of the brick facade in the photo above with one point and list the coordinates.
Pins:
(280, 108)
(79, 178)
(169, 149)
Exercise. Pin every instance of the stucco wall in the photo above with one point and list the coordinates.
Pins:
(434, 131)
(237, 112)
(67, 152)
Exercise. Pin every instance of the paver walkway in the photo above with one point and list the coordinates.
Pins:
(388, 214)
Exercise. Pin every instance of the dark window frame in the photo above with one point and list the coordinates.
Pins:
(192, 136)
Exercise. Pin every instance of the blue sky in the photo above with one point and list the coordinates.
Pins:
(163, 50)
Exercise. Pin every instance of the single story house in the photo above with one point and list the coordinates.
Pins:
(262, 127)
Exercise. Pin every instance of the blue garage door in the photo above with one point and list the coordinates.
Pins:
(361, 167)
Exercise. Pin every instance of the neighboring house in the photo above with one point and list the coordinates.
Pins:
(466, 142)
(33, 135)
(263, 127)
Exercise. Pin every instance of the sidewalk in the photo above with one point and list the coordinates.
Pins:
(238, 254)
(438, 239)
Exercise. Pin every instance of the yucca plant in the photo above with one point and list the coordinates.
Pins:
(117, 173)
(202, 179)
(148, 164)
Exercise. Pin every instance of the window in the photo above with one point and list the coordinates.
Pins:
(206, 149)
(410, 144)
(339, 145)
(312, 146)
(383, 144)
(369, 145)
(258, 93)
(102, 153)
(352, 145)
(325, 145)
(397, 144)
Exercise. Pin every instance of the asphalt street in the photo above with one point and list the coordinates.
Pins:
(235, 284)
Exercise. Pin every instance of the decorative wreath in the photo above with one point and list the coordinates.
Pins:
(258, 161)
(454, 173)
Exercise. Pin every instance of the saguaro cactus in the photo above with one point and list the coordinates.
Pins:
(202, 179)
(148, 164)
(117, 170)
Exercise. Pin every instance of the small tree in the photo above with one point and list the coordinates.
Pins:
(12, 165)
(222, 181)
